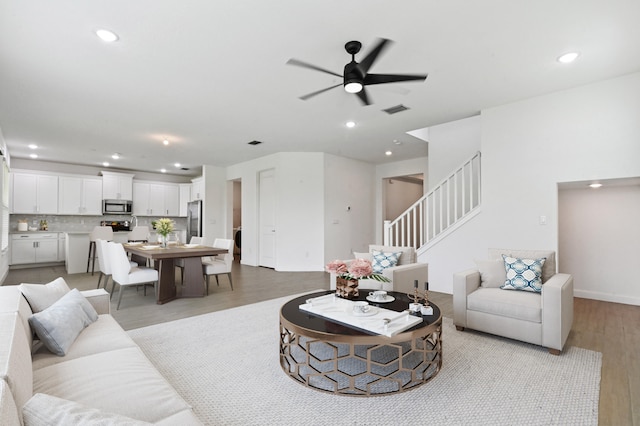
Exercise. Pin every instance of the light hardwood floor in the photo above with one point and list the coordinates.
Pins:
(610, 328)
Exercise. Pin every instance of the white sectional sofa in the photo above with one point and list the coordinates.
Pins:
(104, 378)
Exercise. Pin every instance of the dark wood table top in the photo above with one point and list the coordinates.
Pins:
(172, 251)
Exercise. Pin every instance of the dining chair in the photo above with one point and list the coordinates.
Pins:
(124, 274)
(98, 232)
(179, 263)
(220, 264)
(139, 234)
(105, 265)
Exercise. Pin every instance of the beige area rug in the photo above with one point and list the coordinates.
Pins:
(226, 365)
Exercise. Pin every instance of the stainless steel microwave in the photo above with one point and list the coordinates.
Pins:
(116, 207)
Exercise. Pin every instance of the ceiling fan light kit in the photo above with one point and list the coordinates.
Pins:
(356, 75)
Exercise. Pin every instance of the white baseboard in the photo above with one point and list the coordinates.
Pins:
(606, 297)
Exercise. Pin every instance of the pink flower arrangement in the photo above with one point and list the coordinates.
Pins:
(357, 269)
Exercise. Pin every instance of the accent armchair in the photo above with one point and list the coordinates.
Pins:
(402, 275)
(543, 318)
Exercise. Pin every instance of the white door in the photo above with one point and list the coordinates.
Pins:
(267, 219)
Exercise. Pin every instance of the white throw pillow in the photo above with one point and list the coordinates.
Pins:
(60, 324)
(41, 296)
(492, 273)
(47, 410)
(366, 256)
(523, 274)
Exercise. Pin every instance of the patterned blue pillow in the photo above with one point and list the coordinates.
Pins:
(523, 274)
(383, 260)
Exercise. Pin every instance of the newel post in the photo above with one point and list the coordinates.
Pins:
(387, 233)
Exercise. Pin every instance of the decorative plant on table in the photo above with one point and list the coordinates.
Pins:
(164, 227)
(347, 276)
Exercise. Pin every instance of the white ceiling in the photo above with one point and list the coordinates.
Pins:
(211, 76)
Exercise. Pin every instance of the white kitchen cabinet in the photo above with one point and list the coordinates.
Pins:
(156, 199)
(185, 197)
(61, 247)
(81, 196)
(34, 193)
(117, 186)
(34, 248)
(197, 189)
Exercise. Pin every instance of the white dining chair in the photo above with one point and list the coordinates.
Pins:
(179, 263)
(139, 233)
(105, 265)
(98, 232)
(220, 264)
(124, 274)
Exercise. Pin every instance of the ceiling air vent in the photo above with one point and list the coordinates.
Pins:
(395, 109)
(255, 143)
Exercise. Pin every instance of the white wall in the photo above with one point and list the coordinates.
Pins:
(600, 241)
(349, 214)
(299, 180)
(450, 145)
(216, 223)
(589, 132)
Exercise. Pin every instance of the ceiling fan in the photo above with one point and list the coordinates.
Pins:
(356, 75)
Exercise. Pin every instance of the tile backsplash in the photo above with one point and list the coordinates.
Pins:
(65, 223)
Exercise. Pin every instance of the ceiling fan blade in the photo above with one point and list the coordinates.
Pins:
(311, 95)
(363, 96)
(310, 66)
(391, 78)
(371, 57)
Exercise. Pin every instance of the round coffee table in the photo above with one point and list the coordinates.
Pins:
(335, 358)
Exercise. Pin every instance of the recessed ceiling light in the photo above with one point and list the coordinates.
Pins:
(350, 124)
(177, 164)
(388, 153)
(397, 142)
(33, 155)
(105, 163)
(33, 146)
(163, 170)
(106, 35)
(115, 156)
(166, 142)
(595, 185)
(567, 58)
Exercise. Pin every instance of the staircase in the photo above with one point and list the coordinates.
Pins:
(451, 203)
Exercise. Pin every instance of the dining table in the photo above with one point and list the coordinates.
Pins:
(193, 284)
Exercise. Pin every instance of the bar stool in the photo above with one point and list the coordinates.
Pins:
(102, 233)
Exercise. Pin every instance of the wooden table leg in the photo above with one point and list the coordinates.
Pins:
(166, 281)
(193, 281)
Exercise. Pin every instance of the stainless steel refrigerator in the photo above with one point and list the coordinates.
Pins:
(194, 219)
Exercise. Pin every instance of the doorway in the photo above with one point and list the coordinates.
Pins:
(267, 219)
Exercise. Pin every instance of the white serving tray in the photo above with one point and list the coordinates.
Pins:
(341, 310)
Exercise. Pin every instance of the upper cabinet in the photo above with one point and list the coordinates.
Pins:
(197, 189)
(117, 186)
(34, 193)
(156, 199)
(78, 195)
(185, 197)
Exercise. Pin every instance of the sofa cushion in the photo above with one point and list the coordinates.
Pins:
(15, 358)
(47, 410)
(383, 260)
(59, 325)
(523, 274)
(121, 381)
(41, 296)
(549, 268)
(520, 305)
(11, 300)
(9, 414)
(492, 273)
(408, 253)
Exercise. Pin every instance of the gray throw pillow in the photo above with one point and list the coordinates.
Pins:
(60, 324)
(492, 273)
(41, 296)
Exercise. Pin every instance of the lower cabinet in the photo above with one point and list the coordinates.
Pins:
(34, 248)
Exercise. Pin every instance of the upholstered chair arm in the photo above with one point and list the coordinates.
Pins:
(403, 276)
(464, 283)
(99, 299)
(557, 310)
